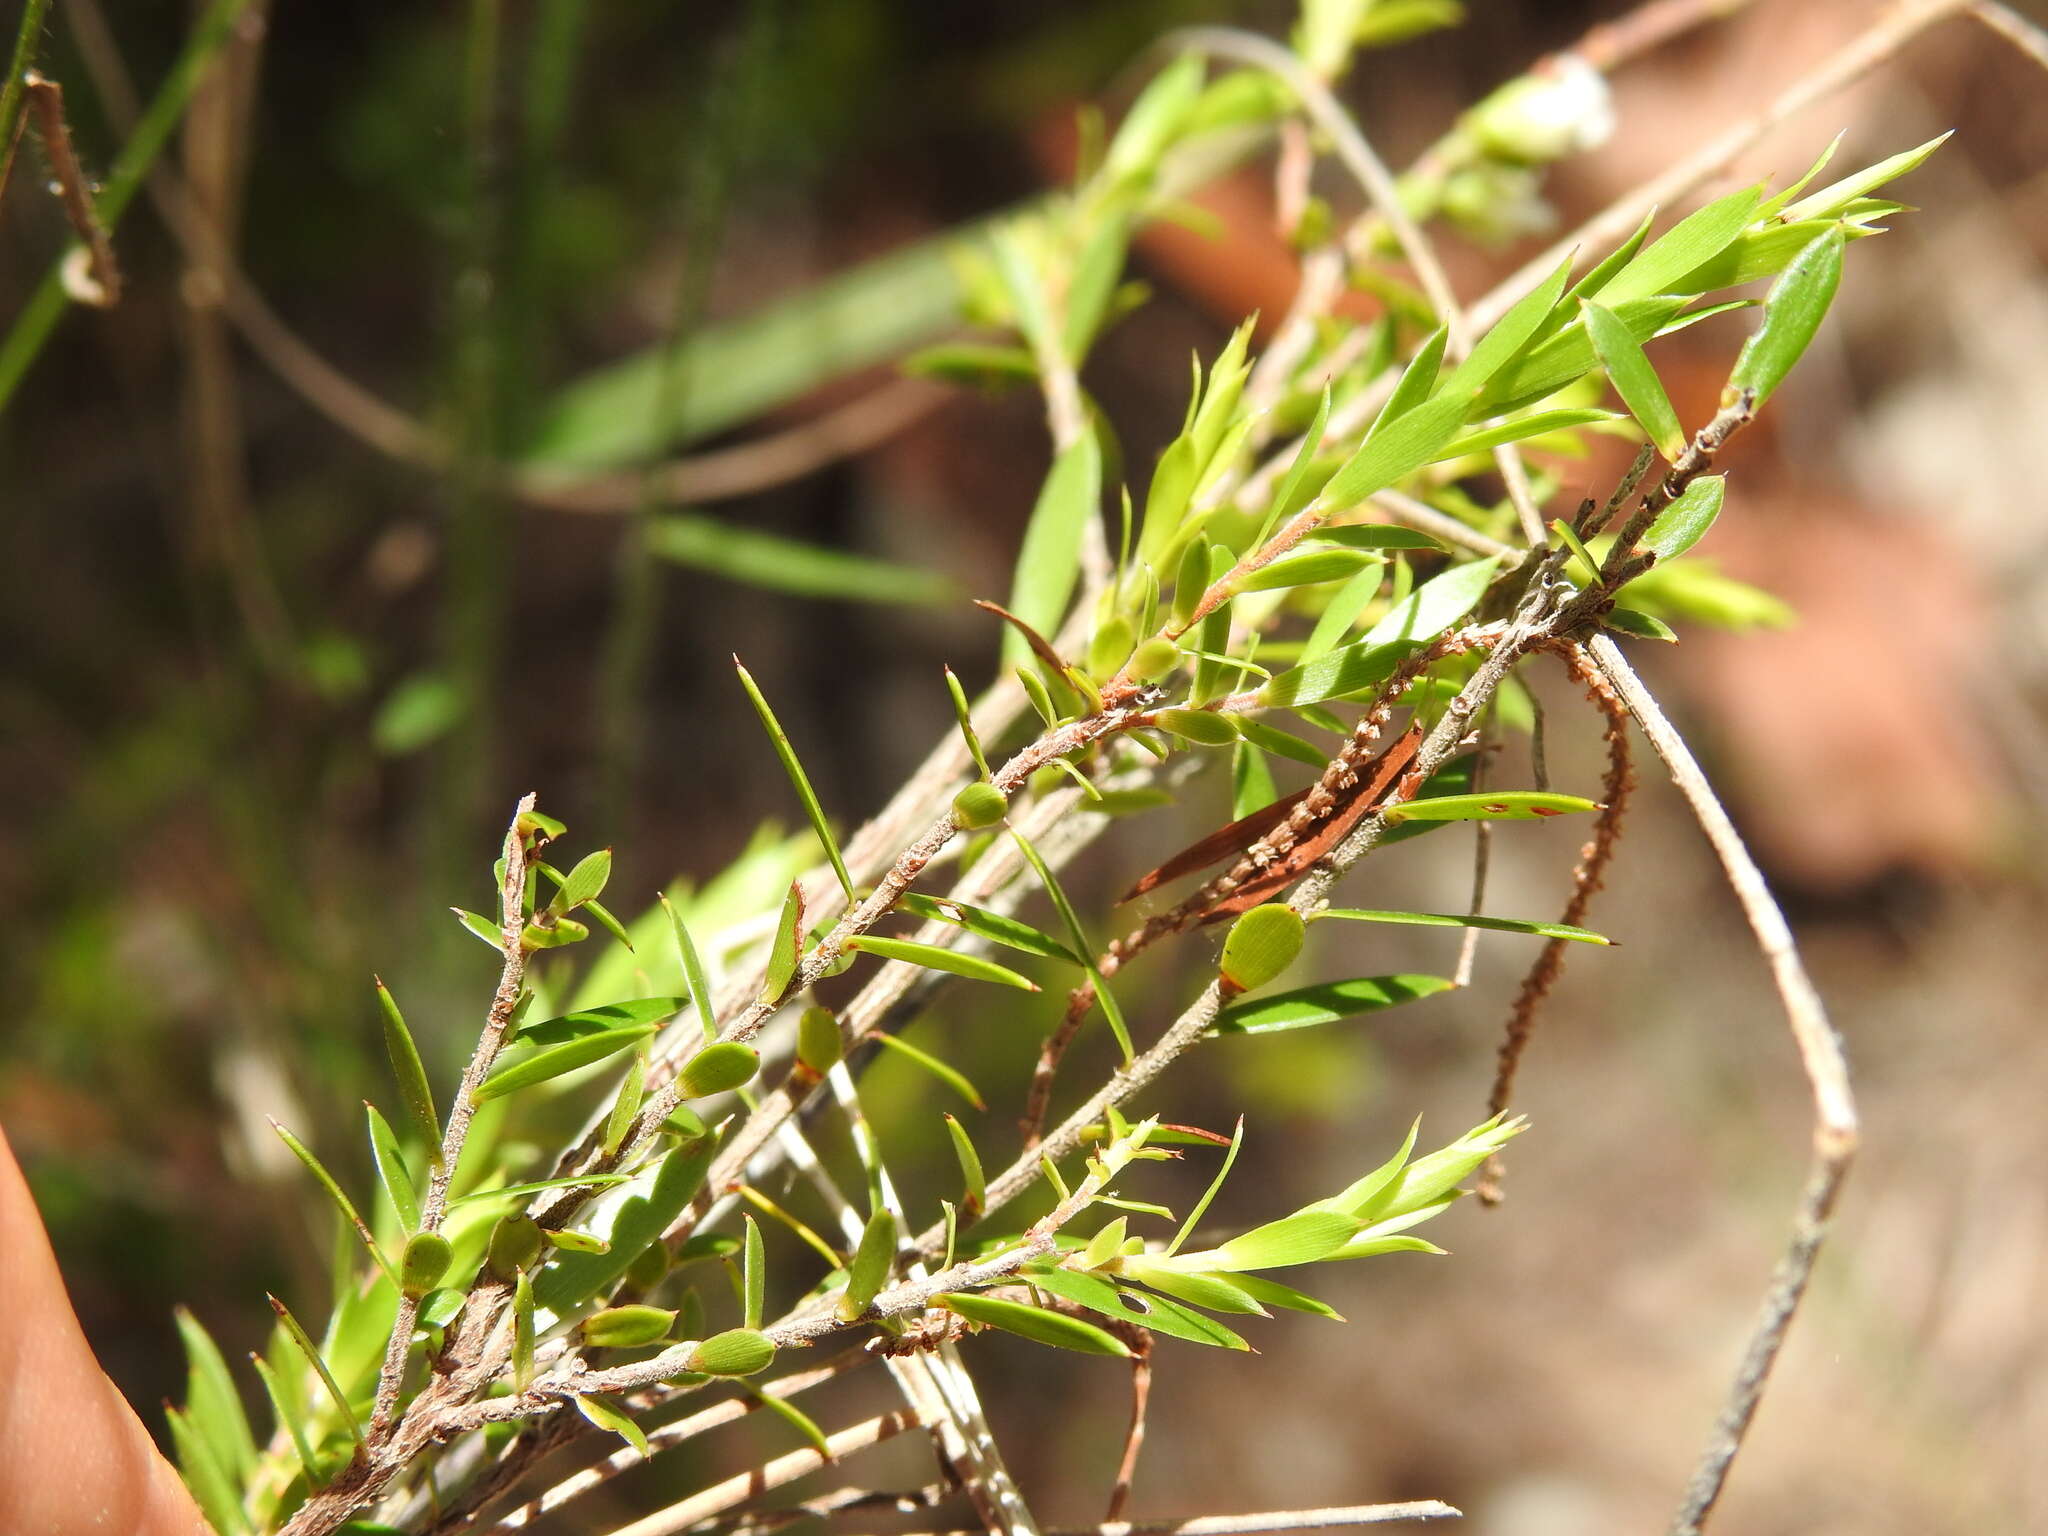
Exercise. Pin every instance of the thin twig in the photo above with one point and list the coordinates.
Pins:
(1820, 1053)
(2030, 37)
(100, 284)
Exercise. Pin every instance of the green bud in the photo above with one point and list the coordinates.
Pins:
(736, 1352)
(719, 1068)
(818, 1045)
(1198, 725)
(1262, 944)
(1154, 659)
(426, 1261)
(627, 1327)
(439, 1308)
(980, 804)
(515, 1245)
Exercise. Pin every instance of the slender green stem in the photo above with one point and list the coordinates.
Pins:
(14, 87)
(46, 306)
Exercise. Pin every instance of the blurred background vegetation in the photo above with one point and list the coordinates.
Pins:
(278, 670)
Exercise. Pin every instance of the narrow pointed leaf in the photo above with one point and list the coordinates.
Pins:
(213, 1407)
(1180, 1237)
(1034, 1323)
(753, 1275)
(1521, 428)
(1284, 502)
(752, 557)
(1309, 569)
(933, 958)
(1273, 1294)
(1396, 450)
(1511, 805)
(481, 926)
(1325, 1003)
(515, 1191)
(391, 1169)
(213, 1489)
(1339, 614)
(693, 971)
(1301, 1238)
(614, 1420)
(551, 1061)
(1632, 621)
(1686, 521)
(1689, 242)
(1161, 1314)
(797, 777)
(1830, 201)
(1465, 920)
(626, 1107)
(1376, 536)
(287, 1417)
(872, 1260)
(996, 927)
(796, 1418)
(414, 1092)
(1216, 1292)
(1079, 938)
(341, 1201)
(1797, 303)
(1510, 335)
(1418, 380)
(585, 882)
(1281, 743)
(786, 952)
(1629, 371)
(1434, 606)
(952, 1077)
(522, 1331)
(971, 1177)
(305, 1346)
(1050, 560)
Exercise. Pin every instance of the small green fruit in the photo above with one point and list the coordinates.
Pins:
(818, 1045)
(426, 1261)
(1154, 659)
(736, 1352)
(627, 1327)
(1203, 726)
(980, 804)
(1262, 944)
(515, 1245)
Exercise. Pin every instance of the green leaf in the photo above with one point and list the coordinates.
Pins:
(1199, 1289)
(213, 1407)
(1396, 450)
(1340, 672)
(797, 778)
(391, 1169)
(1376, 536)
(1251, 782)
(1568, 355)
(632, 1326)
(1272, 1293)
(1434, 606)
(786, 951)
(631, 412)
(972, 1179)
(523, 1331)
(1325, 1003)
(1418, 380)
(1688, 243)
(1301, 1238)
(1466, 920)
(213, 1489)
(523, 1069)
(1685, 522)
(482, 927)
(1078, 936)
(515, 1191)
(719, 1067)
(1635, 380)
(1161, 1314)
(1201, 1206)
(1092, 284)
(965, 715)
(585, 882)
(1600, 274)
(873, 1258)
(1631, 622)
(796, 1418)
(752, 558)
(1339, 614)
(626, 1107)
(1307, 569)
(305, 1347)
(418, 711)
(570, 1240)
(1832, 200)
(614, 1420)
(1522, 427)
(288, 1416)
(951, 1077)
(1167, 498)
(977, 364)
(1049, 562)
(341, 1201)
(1262, 943)
(421, 1122)
(1153, 120)
(1509, 805)
(693, 970)
(1281, 743)
(933, 958)
(1285, 498)
(1510, 335)
(1797, 303)
(993, 926)
(753, 1276)
(1204, 727)
(574, 1278)
(1033, 1323)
